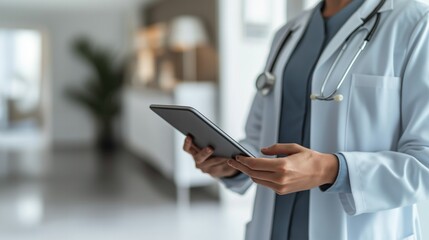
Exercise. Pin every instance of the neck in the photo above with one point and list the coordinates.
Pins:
(334, 6)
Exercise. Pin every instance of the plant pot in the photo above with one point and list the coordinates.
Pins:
(106, 140)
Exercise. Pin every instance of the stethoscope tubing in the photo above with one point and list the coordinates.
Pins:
(346, 73)
(362, 47)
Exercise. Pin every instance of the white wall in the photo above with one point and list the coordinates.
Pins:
(241, 62)
(108, 27)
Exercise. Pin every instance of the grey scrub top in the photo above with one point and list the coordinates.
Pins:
(290, 221)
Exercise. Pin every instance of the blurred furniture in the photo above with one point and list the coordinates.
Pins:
(167, 54)
(157, 143)
(149, 46)
(187, 33)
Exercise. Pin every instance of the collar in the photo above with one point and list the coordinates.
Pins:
(369, 5)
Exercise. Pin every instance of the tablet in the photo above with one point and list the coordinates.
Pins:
(204, 132)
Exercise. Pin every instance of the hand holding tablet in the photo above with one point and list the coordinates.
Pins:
(217, 167)
(210, 147)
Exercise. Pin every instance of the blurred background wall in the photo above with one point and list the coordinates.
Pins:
(60, 26)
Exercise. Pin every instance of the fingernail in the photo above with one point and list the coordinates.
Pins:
(238, 158)
(229, 162)
(209, 150)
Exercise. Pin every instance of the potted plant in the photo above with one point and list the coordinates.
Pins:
(101, 93)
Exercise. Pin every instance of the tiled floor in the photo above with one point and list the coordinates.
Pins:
(75, 194)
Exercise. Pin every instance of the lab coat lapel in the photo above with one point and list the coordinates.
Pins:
(353, 23)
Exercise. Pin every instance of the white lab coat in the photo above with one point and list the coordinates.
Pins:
(381, 127)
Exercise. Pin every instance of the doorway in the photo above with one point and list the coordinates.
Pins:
(24, 98)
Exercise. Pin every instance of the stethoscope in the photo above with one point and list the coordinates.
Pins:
(266, 80)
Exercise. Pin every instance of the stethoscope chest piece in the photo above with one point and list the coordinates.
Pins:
(265, 83)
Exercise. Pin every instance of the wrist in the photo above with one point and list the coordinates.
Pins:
(330, 167)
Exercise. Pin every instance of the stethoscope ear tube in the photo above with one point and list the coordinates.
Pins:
(372, 32)
(285, 39)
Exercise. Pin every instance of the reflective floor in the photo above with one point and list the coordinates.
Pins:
(76, 194)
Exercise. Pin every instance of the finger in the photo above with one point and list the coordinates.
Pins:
(263, 175)
(203, 155)
(194, 149)
(279, 189)
(188, 146)
(265, 164)
(212, 162)
(283, 149)
(222, 170)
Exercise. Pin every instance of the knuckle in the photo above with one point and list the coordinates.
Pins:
(283, 168)
(282, 180)
(295, 145)
(282, 190)
(314, 155)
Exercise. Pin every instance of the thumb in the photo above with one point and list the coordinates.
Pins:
(282, 149)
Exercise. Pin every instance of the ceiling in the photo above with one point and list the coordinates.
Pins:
(70, 4)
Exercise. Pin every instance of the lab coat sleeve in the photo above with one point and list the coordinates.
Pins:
(387, 180)
(242, 182)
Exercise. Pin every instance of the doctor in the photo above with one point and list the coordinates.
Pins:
(343, 106)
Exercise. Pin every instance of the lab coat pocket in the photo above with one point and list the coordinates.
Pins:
(373, 111)
(376, 82)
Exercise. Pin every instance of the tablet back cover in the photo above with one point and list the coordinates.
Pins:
(205, 133)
